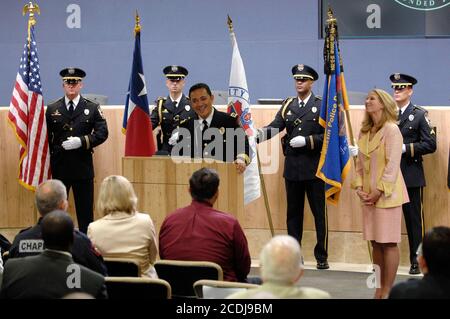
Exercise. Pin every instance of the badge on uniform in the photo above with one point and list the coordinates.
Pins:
(411, 117)
(165, 111)
(56, 113)
(86, 111)
(187, 107)
(289, 112)
(314, 109)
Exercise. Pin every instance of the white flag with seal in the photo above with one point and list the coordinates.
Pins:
(239, 103)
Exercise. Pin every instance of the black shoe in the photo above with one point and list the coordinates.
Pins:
(322, 265)
(414, 270)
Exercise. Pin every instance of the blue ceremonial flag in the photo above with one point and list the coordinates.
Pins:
(137, 125)
(334, 161)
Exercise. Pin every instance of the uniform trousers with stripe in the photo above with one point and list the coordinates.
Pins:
(413, 212)
(315, 190)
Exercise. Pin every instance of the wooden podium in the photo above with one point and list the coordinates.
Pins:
(161, 184)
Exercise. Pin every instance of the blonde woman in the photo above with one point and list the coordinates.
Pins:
(122, 231)
(379, 185)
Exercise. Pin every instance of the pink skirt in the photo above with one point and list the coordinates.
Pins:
(382, 225)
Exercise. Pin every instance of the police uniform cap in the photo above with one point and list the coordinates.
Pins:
(175, 72)
(72, 75)
(399, 80)
(303, 71)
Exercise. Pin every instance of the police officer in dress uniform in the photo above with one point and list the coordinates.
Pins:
(301, 146)
(419, 139)
(211, 133)
(172, 110)
(75, 125)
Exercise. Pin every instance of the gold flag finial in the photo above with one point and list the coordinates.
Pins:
(137, 27)
(230, 23)
(331, 19)
(31, 9)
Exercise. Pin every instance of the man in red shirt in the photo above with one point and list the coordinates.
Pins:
(199, 232)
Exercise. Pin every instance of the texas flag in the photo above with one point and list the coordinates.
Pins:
(136, 119)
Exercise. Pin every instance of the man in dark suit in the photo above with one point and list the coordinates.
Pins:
(52, 195)
(52, 274)
(173, 109)
(75, 126)
(419, 139)
(433, 257)
(211, 133)
(301, 146)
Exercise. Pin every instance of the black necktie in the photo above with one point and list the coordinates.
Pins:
(205, 127)
(399, 113)
(302, 104)
(175, 104)
(71, 108)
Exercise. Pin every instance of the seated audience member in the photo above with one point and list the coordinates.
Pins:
(52, 195)
(122, 231)
(281, 268)
(199, 232)
(434, 262)
(53, 273)
(5, 245)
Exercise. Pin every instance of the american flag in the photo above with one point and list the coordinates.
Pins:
(27, 118)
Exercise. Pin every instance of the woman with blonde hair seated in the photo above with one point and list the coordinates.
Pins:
(122, 231)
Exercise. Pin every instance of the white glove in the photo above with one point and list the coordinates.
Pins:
(403, 148)
(71, 143)
(298, 141)
(353, 149)
(173, 139)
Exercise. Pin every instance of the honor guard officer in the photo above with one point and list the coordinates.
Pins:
(419, 139)
(172, 110)
(301, 146)
(75, 125)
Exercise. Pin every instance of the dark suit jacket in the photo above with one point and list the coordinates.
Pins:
(28, 242)
(300, 163)
(430, 287)
(46, 276)
(86, 122)
(228, 146)
(419, 139)
(169, 117)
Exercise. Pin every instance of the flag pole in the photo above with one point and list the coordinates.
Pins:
(332, 26)
(137, 27)
(266, 200)
(261, 177)
(31, 9)
(331, 38)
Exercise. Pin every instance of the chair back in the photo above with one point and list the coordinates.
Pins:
(219, 289)
(137, 288)
(122, 267)
(183, 274)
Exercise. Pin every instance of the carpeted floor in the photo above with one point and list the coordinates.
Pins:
(343, 284)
